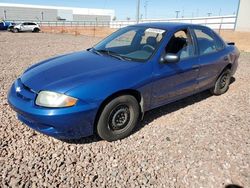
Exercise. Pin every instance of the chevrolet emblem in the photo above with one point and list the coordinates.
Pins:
(18, 89)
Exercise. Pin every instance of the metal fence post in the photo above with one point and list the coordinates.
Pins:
(221, 21)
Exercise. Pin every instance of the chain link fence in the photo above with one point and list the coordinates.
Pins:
(99, 28)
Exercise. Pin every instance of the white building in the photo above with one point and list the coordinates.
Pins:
(53, 13)
(243, 18)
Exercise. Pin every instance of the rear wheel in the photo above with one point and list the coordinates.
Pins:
(36, 30)
(222, 84)
(118, 118)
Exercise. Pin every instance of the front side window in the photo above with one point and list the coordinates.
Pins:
(132, 43)
(206, 41)
(181, 44)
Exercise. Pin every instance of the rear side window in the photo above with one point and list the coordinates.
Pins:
(220, 45)
(32, 24)
(207, 42)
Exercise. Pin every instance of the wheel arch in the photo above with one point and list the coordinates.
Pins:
(36, 29)
(131, 92)
(228, 66)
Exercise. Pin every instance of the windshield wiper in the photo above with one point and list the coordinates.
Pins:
(94, 51)
(113, 54)
(110, 53)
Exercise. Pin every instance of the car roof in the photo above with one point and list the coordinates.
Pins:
(30, 22)
(166, 25)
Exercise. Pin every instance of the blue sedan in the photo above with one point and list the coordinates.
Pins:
(5, 25)
(107, 88)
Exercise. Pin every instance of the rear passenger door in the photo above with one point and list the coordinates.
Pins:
(212, 57)
(31, 26)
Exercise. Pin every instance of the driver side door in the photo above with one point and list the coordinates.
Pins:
(173, 81)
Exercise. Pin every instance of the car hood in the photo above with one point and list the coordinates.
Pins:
(67, 71)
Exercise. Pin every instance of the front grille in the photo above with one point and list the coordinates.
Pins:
(24, 91)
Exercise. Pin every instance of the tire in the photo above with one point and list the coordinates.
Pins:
(222, 84)
(118, 118)
(36, 30)
(15, 30)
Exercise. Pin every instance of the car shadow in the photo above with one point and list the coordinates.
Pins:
(233, 186)
(85, 140)
(172, 107)
(151, 115)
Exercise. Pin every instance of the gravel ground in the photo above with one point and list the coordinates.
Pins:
(201, 141)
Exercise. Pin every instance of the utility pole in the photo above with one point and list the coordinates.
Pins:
(5, 16)
(146, 9)
(138, 12)
(42, 15)
(177, 13)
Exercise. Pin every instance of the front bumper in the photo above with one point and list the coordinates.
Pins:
(62, 123)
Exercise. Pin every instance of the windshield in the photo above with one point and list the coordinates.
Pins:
(131, 43)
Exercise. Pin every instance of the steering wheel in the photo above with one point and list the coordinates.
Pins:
(148, 47)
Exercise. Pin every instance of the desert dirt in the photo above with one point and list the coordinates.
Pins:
(200, 141)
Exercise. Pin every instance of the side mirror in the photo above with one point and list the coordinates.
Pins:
(170, 58)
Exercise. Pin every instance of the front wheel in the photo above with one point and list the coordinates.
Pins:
(118, 118)
(222, 84)
(15, 30)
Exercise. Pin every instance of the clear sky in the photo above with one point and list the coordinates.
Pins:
(155, 8)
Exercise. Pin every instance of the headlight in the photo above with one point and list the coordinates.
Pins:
(54, 100)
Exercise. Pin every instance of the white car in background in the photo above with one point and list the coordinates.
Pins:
(25, 27)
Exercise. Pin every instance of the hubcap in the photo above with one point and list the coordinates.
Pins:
(224, 80)
(119, 117)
